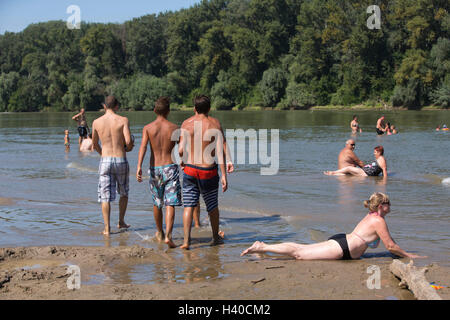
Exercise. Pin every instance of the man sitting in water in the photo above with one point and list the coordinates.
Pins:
(347, 157)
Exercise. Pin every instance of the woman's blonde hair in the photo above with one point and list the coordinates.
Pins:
(375, 200)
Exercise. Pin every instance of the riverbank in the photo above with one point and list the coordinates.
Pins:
(358, 107)
(41, 273)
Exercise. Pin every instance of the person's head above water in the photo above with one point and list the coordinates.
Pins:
(355, 117)
(375, 200)
(350, 143)
(379, 149)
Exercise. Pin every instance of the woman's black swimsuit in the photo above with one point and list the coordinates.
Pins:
(341, 239)
(380, 132)
(372, 169)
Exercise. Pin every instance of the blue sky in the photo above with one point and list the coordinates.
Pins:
(16, 15)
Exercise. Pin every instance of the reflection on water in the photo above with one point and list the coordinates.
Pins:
(48, 195)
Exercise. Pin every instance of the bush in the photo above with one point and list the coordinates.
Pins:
(272, 86)
(140, 92)
(299, 95)
(441, 96)
(406, 96)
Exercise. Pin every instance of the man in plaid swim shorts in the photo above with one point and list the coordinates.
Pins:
(114, 133)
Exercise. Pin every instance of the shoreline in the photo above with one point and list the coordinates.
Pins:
(41, 273)
(359, 107)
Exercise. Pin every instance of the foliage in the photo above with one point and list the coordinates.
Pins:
(265, 53)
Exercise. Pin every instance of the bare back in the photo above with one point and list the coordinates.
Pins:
(114, 134)
(159, 135)
(209, 126)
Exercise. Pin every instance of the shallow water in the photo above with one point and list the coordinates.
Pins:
(49, 196)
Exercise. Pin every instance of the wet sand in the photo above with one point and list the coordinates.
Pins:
(41, 273)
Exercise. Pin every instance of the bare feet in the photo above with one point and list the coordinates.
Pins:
(169, 242)
(106, 232)
(219, 239)
(159, 236)
(255, 248)
(123, 225)
(328, 173)
(185, 246)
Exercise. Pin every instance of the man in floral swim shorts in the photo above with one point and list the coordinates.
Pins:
(164, 173)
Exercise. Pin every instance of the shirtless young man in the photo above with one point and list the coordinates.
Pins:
(381, 126)
(164, 174)
(347, 156)
(200, 172)
(83, 128)
(113, 131)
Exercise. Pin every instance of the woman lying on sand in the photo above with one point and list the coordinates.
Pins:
(373, 169)
(367, 233)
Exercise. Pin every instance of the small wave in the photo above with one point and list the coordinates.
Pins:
(78, 166)
(446, 181)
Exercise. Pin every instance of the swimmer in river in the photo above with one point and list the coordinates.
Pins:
(373, 169)
(368, 233)
(381, 127)
(354, 125)
(66, 139)
(83, 128)
(393, 130)
(86, 144)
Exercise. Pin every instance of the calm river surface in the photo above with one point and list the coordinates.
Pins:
(49, 196)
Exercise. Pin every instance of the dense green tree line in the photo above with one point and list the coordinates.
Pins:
(271, 53)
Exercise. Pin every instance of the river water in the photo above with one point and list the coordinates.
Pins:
(49, 196)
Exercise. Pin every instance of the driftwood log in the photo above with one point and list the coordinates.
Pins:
(414, 279)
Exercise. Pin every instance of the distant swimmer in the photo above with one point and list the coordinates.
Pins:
(113, 131)
(83, 128)
(165, 184)
(393, 130)
(381, 126)
(347, 156)
(373, 169)
(354, 125)
(66, 139)
(86, 144)
(368, 233)
(438, 128)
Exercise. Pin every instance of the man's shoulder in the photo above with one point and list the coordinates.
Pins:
(214, 121)
(188, 121)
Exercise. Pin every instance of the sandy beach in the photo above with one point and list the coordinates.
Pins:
(42, 273)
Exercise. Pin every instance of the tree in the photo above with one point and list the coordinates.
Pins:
(272, 86)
